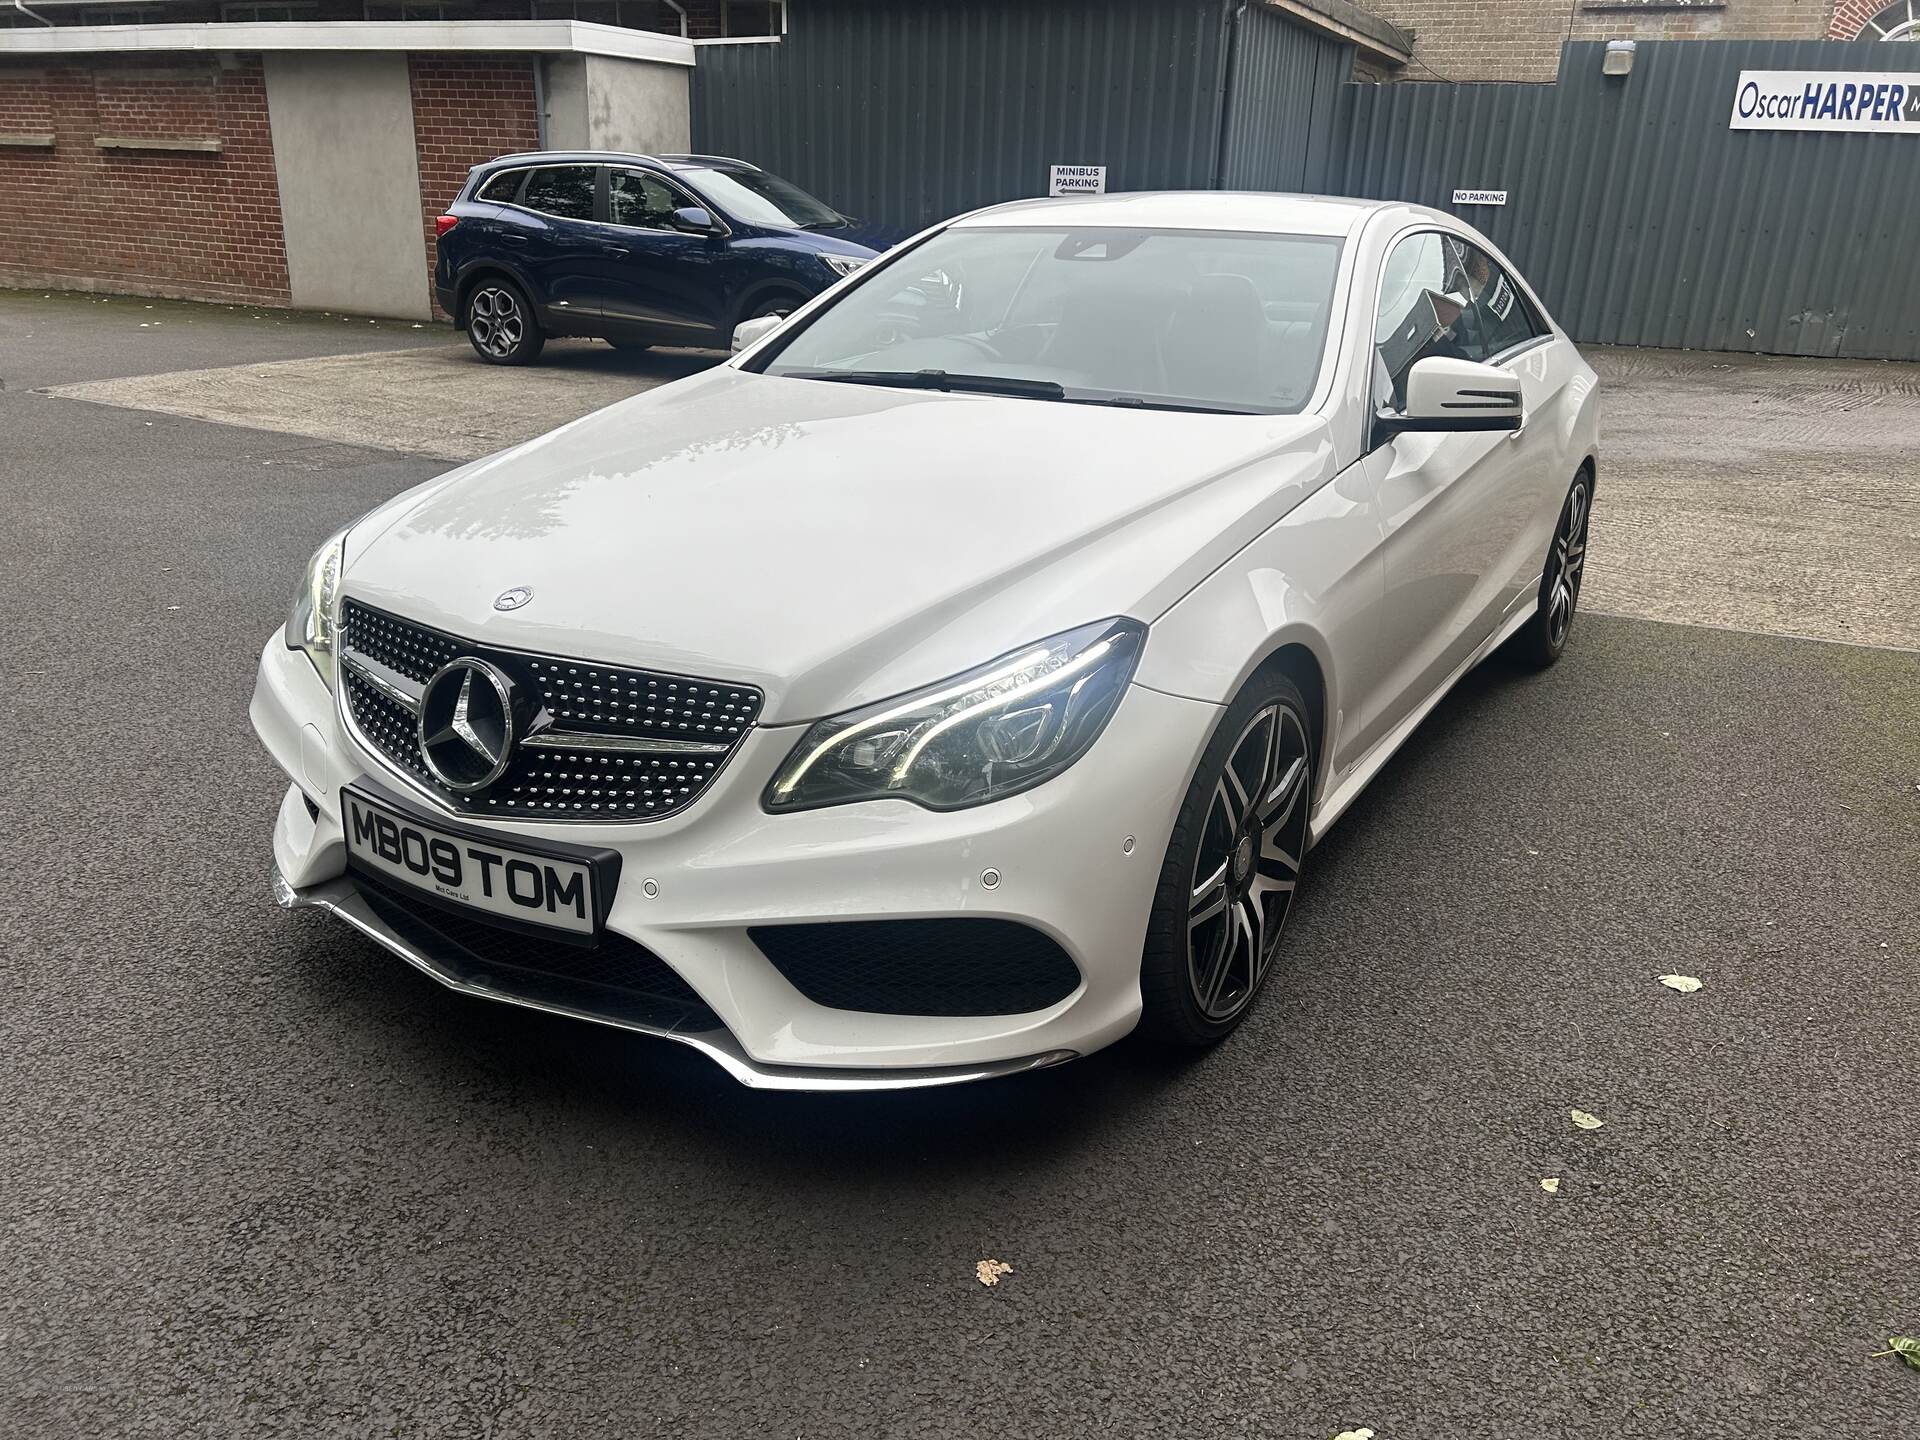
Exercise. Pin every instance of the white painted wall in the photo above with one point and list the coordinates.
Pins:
(599, 102)
(343, 147)
(637, 105)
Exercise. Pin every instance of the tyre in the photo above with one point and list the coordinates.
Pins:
(500, 323)
(781, 305)
(1544, 637)
(1228, 881)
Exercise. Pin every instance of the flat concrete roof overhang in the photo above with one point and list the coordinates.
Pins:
(494, 37)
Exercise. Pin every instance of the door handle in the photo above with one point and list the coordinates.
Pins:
(513, 239)
(619, 252)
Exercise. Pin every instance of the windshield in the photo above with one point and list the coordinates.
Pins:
(1175, 319)
(754, 197)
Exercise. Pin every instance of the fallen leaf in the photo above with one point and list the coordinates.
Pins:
(1586, 1121)
(1551, 1185)
(990, 1271)
(1685, 984)
(1905, 1346)
(1354, 1435)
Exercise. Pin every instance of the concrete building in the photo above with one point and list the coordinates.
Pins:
(295, 163)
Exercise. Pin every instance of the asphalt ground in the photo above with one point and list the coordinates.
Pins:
(256, 1178)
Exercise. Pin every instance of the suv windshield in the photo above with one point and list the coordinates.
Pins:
(1174, 319)
(754, 197)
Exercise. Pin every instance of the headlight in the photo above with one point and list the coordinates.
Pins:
(310, 621)
(981, 736)
(844, 265)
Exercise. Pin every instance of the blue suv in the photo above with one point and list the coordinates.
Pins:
(635, 249)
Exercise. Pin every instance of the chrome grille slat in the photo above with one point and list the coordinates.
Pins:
(624, 744)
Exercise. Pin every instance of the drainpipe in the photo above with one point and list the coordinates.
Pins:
(21, 7)
(1232, 48)
(672, 5)
(540, 101)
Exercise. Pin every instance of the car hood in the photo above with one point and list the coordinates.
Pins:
(833, 544)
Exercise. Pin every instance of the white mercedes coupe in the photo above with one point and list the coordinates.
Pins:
(960, 676)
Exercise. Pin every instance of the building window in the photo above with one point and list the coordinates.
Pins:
(119, 14)
(1899, 21)
(409, 10)
(746, 18)
(282, 12)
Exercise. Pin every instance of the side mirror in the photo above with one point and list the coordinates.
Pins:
(752, 332)
(1454, 395)
(695, 220)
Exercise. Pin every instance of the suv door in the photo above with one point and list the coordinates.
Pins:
(549, 232)
(1453, 508)
(662, 280)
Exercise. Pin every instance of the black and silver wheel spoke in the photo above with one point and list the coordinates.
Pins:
(1251, 842)
(1569, 560)
(494, 320)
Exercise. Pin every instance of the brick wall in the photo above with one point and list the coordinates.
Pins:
(197, 225)
(466, 111)
(1850, 19)
(1521, 39)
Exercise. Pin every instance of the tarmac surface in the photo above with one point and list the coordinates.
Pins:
(258, 1178)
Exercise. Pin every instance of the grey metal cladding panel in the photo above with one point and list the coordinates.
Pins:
(1643, 219)
(1285, 82)
(908, 113)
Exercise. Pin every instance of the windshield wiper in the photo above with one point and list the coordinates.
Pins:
(1140, 402)
(839, 222)
(938, 380)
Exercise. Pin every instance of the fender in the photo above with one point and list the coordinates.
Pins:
(1312, 579)
(490, 263)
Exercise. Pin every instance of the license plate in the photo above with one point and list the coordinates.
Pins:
(527, 887)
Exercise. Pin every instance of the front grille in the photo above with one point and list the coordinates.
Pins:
(583, 697)
(618, 976)
(921, 967)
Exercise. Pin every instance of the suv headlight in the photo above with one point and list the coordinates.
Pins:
(844, 265)
(981, 736)
(310, 618)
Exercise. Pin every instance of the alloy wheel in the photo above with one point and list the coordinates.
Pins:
(1248, 862)
(1569, 562)
(495, 322)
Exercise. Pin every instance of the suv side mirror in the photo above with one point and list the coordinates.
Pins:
(752, 332)
(1444, 394)
(694, 220)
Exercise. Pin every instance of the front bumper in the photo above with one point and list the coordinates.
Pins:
(1077, 859)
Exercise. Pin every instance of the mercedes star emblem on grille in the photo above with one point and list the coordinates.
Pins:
(469, 721)
(513, 599)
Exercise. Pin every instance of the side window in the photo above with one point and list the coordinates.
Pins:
(1416, 312)
(641, 200)
(565, 191)
(1498, 317)
(502, 187)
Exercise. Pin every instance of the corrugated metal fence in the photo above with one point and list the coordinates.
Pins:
(1282, 87)
(1641, 217)
(906, 113)
(1644, 220)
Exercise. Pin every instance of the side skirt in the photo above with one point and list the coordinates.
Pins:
(1334, 804)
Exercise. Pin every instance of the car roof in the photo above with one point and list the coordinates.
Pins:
(1189, 210)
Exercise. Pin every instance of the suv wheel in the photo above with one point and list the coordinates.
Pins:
(500, 324)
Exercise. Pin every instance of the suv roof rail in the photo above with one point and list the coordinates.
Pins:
(707, 160)
(561, 157)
